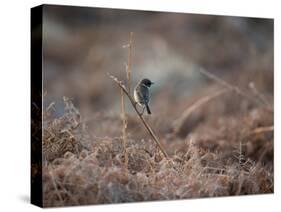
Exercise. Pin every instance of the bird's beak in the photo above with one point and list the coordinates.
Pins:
(152, 82)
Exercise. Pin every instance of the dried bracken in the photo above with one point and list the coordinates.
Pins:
(229, 162)
(61, 135)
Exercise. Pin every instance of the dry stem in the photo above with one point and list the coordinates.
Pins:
(226, 84)
(123, 115)
(55, 187)
(178, 124)
(129, 64)
(262, 130)
(262, 98)
(121, 85)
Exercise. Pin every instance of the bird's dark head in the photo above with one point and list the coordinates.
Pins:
(146, 82)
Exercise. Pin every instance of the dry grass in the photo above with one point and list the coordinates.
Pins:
(203, 166)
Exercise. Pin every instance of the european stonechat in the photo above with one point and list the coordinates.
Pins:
(142, 95)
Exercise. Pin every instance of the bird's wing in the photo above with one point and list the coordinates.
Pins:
(145, 93)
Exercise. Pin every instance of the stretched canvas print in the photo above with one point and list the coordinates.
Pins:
(131, 106)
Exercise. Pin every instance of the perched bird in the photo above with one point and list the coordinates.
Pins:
(142, 95)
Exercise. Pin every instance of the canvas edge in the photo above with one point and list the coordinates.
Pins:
(36, 191)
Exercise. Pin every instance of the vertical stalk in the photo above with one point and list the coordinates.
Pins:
(124, 133)
(129, 64)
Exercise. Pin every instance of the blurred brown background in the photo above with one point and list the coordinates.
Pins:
(82, 44)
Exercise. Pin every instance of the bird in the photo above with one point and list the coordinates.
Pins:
(142, 94)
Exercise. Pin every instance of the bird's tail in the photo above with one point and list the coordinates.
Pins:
(147, 109)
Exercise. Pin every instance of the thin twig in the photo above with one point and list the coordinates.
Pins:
(262, 130)
(67, 192)
(226, 84)
(51, 106)
(178, 123)
(241, 156)
(124, 128)
(121, 85)
(55, 187)
(262, 98)
(129, 64)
